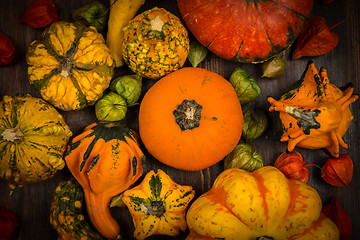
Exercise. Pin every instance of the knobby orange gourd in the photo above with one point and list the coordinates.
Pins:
(315, 114)
(105, 159)
(190, 119)
(263, 204)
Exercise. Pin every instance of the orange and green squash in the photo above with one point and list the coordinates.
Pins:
(314, 113)
(33, 138)
(263, 204)
(190, 119)
(155, 43)
(70, 65)
(158, 205)
(245, 30)
(106, 160)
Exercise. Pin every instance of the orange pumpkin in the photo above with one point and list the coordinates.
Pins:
(245, 30)
(190, 119)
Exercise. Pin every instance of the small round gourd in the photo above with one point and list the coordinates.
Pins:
(190, 119)
(155, 43)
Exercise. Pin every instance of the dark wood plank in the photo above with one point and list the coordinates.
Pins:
(31, 203)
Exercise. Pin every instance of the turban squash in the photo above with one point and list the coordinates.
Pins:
(245, 30)
(314, 113)
(33, 138)
(70, 66)
(190, 119)
(263, 204)
(106, 160)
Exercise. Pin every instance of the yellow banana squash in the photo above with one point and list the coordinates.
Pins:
(121, 12)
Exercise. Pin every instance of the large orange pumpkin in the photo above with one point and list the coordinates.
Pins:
(190, 119)
(245, 30)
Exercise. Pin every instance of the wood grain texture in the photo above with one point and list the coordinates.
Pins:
(31, 203)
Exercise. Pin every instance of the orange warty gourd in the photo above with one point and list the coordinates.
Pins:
(263, 204)
(106, 160)
(314, 113)
(190, 119)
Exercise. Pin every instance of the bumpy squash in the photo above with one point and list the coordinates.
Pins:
(315, 113)
(245, 30)
(158, 205)
(105, 159)
(263, 204)
(70, 66)
(190, 119)
(68, 213)
(33, 138)
(155, 43)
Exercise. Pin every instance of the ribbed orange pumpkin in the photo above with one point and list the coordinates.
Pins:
(190, 119)
(245, 30)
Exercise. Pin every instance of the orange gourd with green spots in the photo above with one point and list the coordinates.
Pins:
(155, 43)
(106, 160)
(314, 113)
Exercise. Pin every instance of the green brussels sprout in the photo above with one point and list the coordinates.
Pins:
(255, 123)
(245, 86)
(93, 14)
(111, 107)
(243, 156)
(273, 68)
(128, 86)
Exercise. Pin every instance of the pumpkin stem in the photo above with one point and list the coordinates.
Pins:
(157, 24)
(65, 68)
(188, 114)
(156, 209)
(13, 135)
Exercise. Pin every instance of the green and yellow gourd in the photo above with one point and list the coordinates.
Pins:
(155, 43)
(33, 138)
(68, 213)
(70, 66)
(158, 205)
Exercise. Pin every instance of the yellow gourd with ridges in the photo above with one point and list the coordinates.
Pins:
(70, 66)
(158, 205)
(264, 203)
(33, 138)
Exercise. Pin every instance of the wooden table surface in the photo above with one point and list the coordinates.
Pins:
(31, 203)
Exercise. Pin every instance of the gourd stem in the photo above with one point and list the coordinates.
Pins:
(13, 135)
(188, 114)
(157, 24)
(156, 209)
